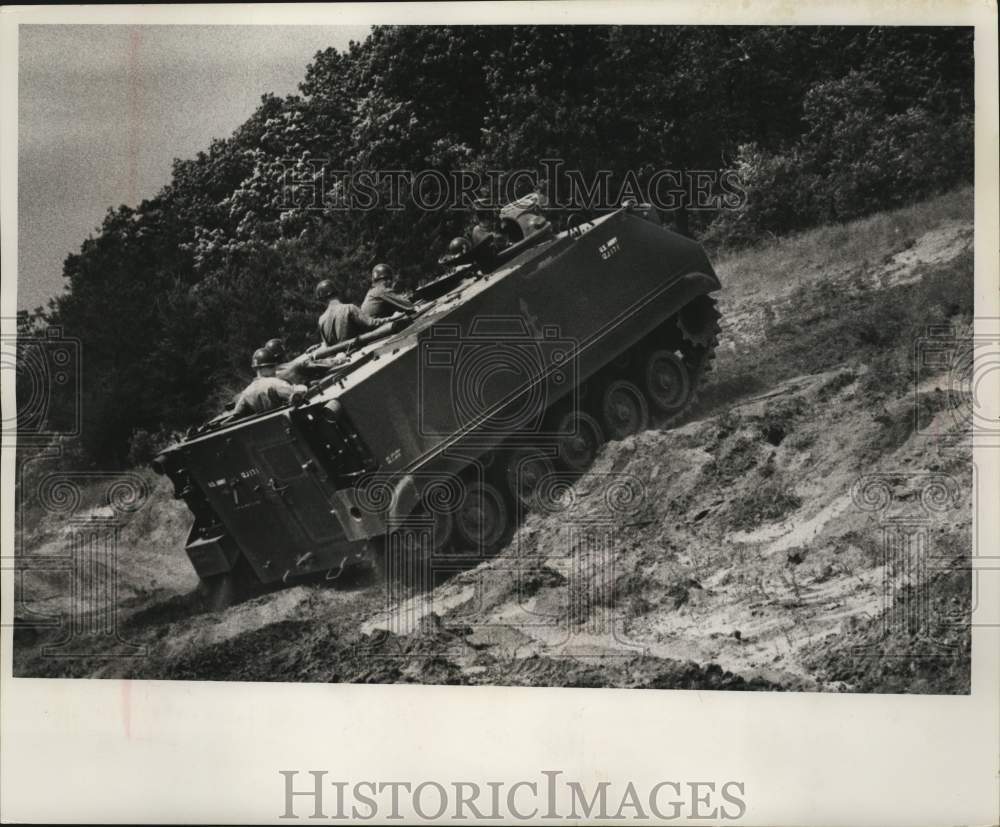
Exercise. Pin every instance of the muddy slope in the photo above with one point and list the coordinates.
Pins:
(805, 530)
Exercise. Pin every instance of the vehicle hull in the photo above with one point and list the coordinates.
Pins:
(481, 368)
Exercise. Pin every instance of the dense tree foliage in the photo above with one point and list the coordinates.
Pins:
(170, 296)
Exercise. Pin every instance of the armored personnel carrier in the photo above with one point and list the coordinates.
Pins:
(436, 430)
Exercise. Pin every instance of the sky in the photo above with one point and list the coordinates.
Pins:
(104, 110)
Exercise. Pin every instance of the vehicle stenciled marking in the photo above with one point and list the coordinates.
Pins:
(609, 248)
(242, 475)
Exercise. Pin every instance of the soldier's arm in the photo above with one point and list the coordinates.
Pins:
(398, 301)
(283, 390)
(294, 393)
(241, 408)
(363, 320)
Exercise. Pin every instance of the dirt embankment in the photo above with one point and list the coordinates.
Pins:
(807, 529)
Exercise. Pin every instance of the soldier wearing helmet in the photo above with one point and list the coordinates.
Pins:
(266, 392)
(483, 220)
(325, 290)
(342, 321)
(459, 249)
(381, 299)
(276, 347)
(486, 241)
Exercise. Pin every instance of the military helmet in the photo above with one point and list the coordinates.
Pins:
(381, 272)
(263, 358)
(276, 348)
(325, 290)
(459, 246)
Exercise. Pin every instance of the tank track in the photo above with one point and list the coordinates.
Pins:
(692, 334)
(700, 338)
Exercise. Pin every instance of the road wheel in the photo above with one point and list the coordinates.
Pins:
(526, 468)
(623, 409)
(483, 519)
(580, 438)
(667, 381)
(432, 529)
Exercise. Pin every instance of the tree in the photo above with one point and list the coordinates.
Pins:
(170, 297)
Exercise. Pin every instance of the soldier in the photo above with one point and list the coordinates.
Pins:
(340, 321)
(266, 392)
(276, 347)
(459, 249)
(486, 242)
(381, 300)
(482, 224)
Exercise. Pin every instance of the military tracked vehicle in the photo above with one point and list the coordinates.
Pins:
(533, 348)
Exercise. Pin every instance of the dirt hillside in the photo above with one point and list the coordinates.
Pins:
(805, 529)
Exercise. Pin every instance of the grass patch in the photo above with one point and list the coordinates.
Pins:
(830, 327)
(840, 328)
(929, 654)
(726, 385)
(804, 258)
(802, 441)
(836, 384)
(731, 462)
(779, 419)
(765, 503)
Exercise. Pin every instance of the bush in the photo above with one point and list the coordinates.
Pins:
(143, 445)
(855, 158)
